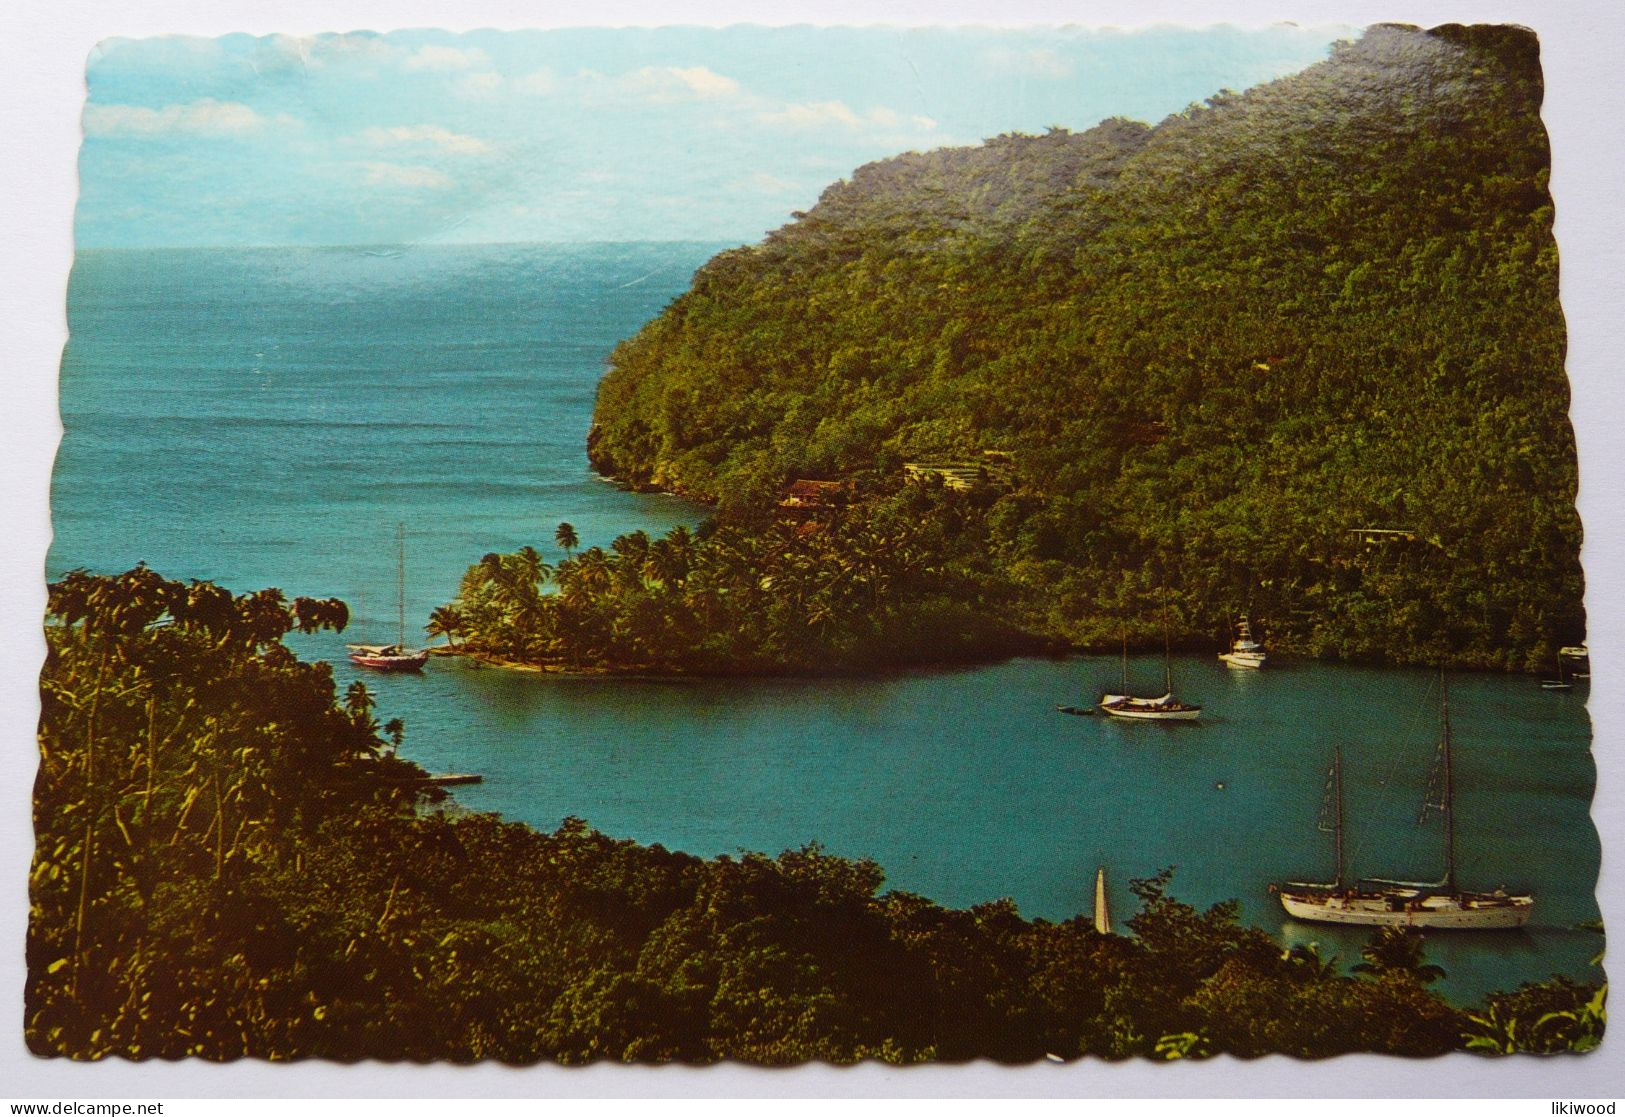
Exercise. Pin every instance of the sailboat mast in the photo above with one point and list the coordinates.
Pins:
(400, 581)
(1337, 813)
(1125, 659)
(1449, 788)
(1167, 649)
(1167, 659)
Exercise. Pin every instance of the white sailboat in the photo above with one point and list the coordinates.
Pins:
(396, 656)
(1103, 917)
(1244, 650)
(1163, 708)
(1375, 902)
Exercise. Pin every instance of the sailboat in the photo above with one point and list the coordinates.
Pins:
(1581, 654)
(1375, 902)
(1244, 650)
(1103, 917)
(1559, 683)
(1163, 708)
(396, 656)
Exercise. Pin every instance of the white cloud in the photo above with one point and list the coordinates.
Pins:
(206, 117)
(447, 59)
(810, 115)
(478, 86)
(538, 83)
(664, 84)
(703, 81)
(1040, 62)
(413, 178)
(432, 135)
(763, 183)
(351, 48)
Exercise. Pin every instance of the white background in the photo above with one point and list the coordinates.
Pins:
(42, 51)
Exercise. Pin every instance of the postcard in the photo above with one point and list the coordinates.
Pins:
(749, 546)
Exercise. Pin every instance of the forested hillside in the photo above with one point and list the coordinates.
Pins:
(1205, 354)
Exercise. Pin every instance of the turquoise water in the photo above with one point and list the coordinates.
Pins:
(267, 417)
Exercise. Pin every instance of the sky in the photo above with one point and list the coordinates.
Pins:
(589, 134)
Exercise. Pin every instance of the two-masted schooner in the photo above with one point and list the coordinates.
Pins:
(1438, 905)
(1163, 708)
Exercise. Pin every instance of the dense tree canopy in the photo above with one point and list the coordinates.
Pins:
(1212, 350)
(855, 589)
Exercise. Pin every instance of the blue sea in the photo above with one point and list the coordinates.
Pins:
(269, 416)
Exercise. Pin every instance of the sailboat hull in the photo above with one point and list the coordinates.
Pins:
(393, 657)
(1243, 659)
(387, 657)
(1460, 911)
(1166, 708)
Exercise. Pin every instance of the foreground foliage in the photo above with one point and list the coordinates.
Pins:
(227, 864)
(1210, 351)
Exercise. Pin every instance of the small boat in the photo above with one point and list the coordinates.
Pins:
(440, 779)
(1165, 707)
(1103, 917)
(1244, 650)
(1581, 653)
(1375, 902)
(1559, 683)
(396, 656)
(1079, 711)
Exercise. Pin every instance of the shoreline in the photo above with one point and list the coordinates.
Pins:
(1051, 645)
(649, 671)
(1283, 661)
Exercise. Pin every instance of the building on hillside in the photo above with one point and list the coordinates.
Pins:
(962, 475)
(808, 497)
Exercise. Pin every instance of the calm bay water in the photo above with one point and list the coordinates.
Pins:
(267, 417)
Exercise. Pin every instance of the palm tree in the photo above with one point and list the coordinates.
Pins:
(530, 571)
(1397, 951)
(491, 567)
(1314, 964)
(633, 546)
(630, 555)
(593, 571)
(445, 621)
(565, 536)
(666, 563)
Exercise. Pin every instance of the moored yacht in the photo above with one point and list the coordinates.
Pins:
(1244, 650)
(1375, 902)
(1165, 707)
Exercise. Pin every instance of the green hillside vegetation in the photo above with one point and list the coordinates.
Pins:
(859, 589)
(229, 863)
(1206, 353)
